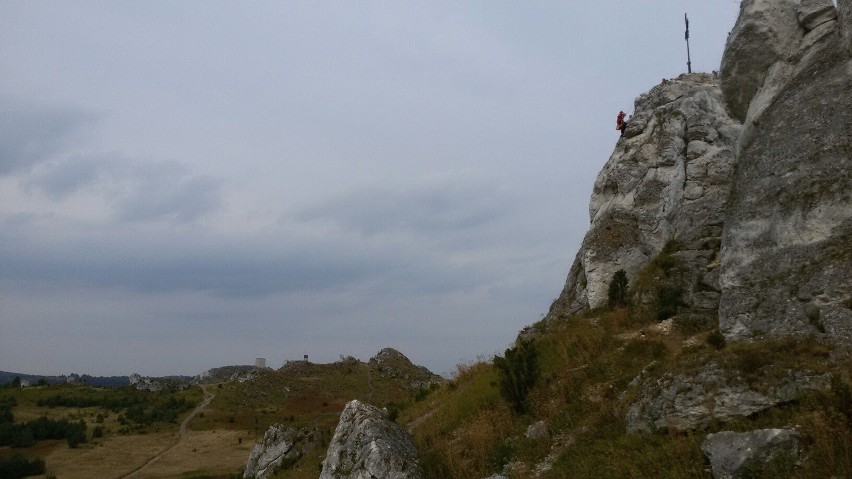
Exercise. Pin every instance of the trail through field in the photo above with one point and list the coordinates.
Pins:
(208, 396)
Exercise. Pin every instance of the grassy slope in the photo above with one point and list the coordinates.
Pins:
(219, 441)
(582, 394)
(465, 429)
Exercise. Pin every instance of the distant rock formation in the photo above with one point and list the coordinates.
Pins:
(229, 373)
(281, 446)
(393, 364)
(144, 383)
(366, 445)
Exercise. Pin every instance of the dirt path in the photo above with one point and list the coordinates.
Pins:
(208, 396)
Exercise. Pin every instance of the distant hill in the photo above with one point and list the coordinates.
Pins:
(99, 381)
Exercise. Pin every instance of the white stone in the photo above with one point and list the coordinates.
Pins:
(367, 445)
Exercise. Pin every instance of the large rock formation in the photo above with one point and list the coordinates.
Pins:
(758, 216)
(667, 181)
(366, 445)
(786, 260)
(741, 189)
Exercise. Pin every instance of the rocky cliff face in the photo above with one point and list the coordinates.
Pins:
(786, 259)
(366, 445)
(744, 181)
(666, 183)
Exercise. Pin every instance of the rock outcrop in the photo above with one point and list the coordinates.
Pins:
(732, 454)
(144, 383)
(366, 445)
(786, 260)
(681, 402)
(757, 214)
(393, 364)
(229, 373)
(738, 191)
(667, 181)
(281, 446)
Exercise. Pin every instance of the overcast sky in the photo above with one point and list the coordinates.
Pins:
(186, 185)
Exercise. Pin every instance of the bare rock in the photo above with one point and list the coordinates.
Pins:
(813, 13)
(538, 430)
(686, 402)
(732, 454)
(765, 33)
(668, 179)
(844, 16)
(788, 224)
(393, 364)
(281, 445)
(366, 445)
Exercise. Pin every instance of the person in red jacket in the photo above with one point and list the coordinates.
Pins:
(621, 123)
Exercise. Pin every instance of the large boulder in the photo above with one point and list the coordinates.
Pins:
(367, 445)
(667, 180)
(280, 446)
(749, 454)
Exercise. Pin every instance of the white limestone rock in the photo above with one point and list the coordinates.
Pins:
(366, 445)
(686, 402)
(729, 453)
(786, 263)
(668, 179)
(281, 445)
(766, 32)
(813, 13)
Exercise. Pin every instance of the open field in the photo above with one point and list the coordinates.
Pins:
(218, 438)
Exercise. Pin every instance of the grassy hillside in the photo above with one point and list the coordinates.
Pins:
(554, 406)
(134, 425)
(582, 386)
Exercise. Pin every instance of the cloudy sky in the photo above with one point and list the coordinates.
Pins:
(185, 185)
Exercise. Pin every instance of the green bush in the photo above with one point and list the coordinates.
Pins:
(716, 339)
(518, 371)
(618, 289)
(16, 466)
(669, 301)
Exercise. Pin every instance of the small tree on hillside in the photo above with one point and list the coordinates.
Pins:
(618, 289)
(518, 372)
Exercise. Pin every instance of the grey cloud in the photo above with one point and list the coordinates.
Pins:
(58, 179)
(174, 199)
(433, 207)
(226, 267)
(138, 190)
(141, 265)
(30, 135)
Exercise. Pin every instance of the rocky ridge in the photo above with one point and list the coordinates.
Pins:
(366, 445)
(744, 181)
